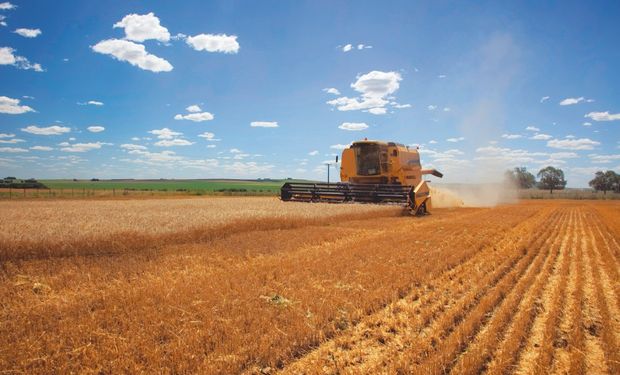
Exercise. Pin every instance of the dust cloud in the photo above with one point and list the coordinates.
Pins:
(472, 195)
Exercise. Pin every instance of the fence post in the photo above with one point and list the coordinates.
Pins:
(24, 192)
(10, 192)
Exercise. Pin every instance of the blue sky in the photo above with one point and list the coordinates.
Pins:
(199, 89)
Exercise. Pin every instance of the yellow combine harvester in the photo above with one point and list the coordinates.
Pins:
(372, 172)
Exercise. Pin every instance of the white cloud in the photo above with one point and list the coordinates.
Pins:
(446, 109)
(131, 146)
(7, 135)
(544, 99)
(211, 146)
(432, 142)
(541, 137)
(454, 140)
(339, 146)
(7, 6)
(165, 133)
(332, 90)
(363, 46)
(353, 126)
(442, 76)
(214, 43)
(596, 158)
(196, 117)
(587, 124)
(12, 106)
(41, 148)
(378, 111)
(91, 102)
(399, 106)
(573, 144)
(28, 33)
(82, 147)
(2, 20)
(95, 129)
(313, 153)
(193, 108)
(571, 101)
(347, 48)
(141, 27)
(264, 124)
(12, 141)
(50, 130)
(8, 58)
(173, 142)
(532, 129)
(431, 107)
(377, 84)
(133, 53)
(373, 87)
(603, 116)
(12, 149)
(208, 136)
(511, 136)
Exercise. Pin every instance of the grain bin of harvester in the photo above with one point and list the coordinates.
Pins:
(372, 172)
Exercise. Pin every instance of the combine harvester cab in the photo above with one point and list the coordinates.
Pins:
(372, 172)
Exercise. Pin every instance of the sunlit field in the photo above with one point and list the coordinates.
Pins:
(255, 285)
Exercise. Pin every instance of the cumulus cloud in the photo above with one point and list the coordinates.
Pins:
(313, 153)
(456, 139)
(141, 27)
(603, 116)
(572, 101)
(133, 53)
(264, 124)
(91, 102)
(587, 124)
(400, 106)
(541, 137)
(603, 159)
(214, 43)
(82, 147)
(12, 106)
(331, 90)
(193, 108)
(353, 126)
(544, 99)
(165, 133)
(12, 141)
(208, 136)
(131, 146)
(347, 48)
(511, 136)
(6, 135)
(532, 129)
(50, 130)
(12, 149)
(373, 87)
(41, 148)
(8, 58)
(173, 142)
(431, 107)
(339, 146)
(7, 6)
(573, 144)
(28, 33)
(95, 129)
(196, 117)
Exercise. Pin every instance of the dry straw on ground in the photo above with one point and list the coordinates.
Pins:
(527, 288)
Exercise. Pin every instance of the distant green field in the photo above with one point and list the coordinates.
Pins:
(169, 185)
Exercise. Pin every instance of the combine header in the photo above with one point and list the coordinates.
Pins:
(372, 172)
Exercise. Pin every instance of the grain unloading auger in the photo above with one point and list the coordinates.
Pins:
(372, 172)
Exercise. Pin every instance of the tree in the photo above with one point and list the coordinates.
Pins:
(551, 178)
(604, 181)
(521, 178)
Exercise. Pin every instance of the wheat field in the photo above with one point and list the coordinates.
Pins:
(255, 285)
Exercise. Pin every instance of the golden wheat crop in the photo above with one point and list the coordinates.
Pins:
(243, 285)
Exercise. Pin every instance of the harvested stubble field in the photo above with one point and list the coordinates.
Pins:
(254, 285)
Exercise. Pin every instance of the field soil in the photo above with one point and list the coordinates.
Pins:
(259, 286)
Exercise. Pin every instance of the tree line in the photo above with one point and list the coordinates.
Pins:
(550, 178)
